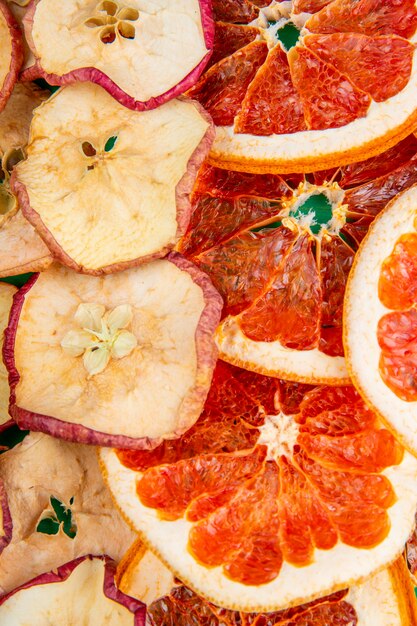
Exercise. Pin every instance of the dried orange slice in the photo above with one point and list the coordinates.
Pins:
(125, 359)
(142, 53)
(380, 311)
(60, 508)
(79, 592)
(108, 188)
(6, 299)
(309, 84)
(21, 249)
(280, 493)
(11, 55)
(143, 576)
(279, 250)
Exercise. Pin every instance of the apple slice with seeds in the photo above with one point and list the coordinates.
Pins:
(142, 52)
(11, 53)
(21, 249)
(6, 298)
(108, 188)
(123, 360)
(60, 507)
(80, 592)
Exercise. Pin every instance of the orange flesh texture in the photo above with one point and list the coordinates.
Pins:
(185, 608)
(251, 512)
(360, 59)
(270, 275)
(272, 104)
(222, 88)
(309, 6)
(329, 98)
(369, 17)
(229, 38)
(235, 11)
(397, 331)
(333, 74)
(289, 310)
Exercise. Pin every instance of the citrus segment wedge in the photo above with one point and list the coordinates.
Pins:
(337, 52)
(279, 250)
(11, 57)
(111, 195)
(101, 349)
(358, 606)
(127, 48)
(6, 299)
(81, 591)
(257, 509)
(40, 472)
(380, 338)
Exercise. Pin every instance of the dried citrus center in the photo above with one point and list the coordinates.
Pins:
(102, 336)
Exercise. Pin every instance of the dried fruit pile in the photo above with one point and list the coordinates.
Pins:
(208, 387)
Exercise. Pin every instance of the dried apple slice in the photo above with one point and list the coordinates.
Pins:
(108, 188)
(60, 507)
(79, 592)
(19, 8)
(6, 298)
(11, 55)
(146, 578)
(21, 249)
(124, 359)
(143, 53)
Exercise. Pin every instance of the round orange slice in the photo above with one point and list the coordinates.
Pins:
(279, 250)
(174, 603)
(304, 85)
(279, 494)
(380, 314)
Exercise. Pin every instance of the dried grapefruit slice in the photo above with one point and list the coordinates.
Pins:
(126, 47)
(79, 592)
(21, 249)
(279, 250)
(381, 336)
(88, 357)
(60, 508)
(105, 196)
(6, 299)
(11, 56)
(336, 83)
(360, 605)
(280, 493)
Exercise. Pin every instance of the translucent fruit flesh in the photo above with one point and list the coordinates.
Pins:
(397, 331)
(256, 502)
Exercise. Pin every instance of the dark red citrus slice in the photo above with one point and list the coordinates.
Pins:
(222, 88)
(370, 17)
(329, 98)
(272, 104)
(365, 59)
(230, 37)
